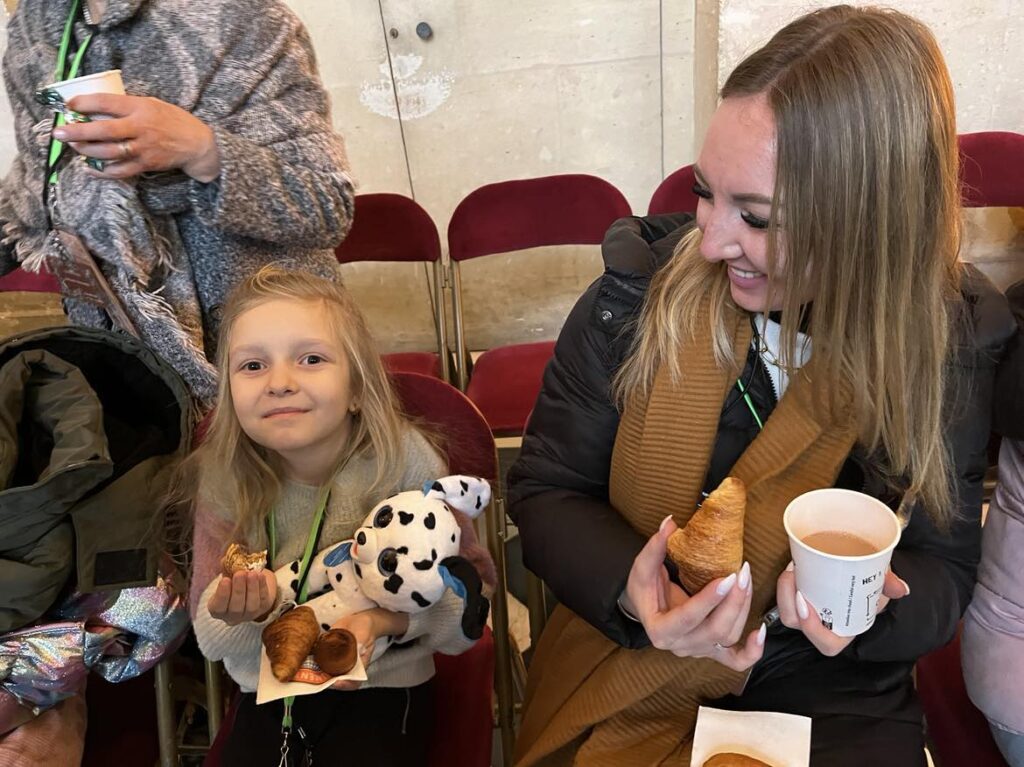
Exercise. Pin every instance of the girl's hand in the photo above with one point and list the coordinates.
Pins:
(797, 613)
(245, 596)
(708, 624)
(366, 627)
(144, 135)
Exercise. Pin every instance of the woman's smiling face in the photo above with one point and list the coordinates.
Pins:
(735, 181)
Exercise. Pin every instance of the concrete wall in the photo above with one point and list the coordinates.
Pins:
(621, 90)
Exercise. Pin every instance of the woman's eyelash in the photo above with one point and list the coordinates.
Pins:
(701, 191)
(754, 221)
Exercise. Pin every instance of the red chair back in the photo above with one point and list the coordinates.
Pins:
(389, 227)
(19, 279)
(394, 228)
(992, 169)
(675, 194)
(463, 684)
(574, 209)
(466, 437)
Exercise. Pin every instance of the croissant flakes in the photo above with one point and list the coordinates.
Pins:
(711, 544)
(237, 557)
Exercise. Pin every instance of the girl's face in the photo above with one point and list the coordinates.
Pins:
(290, 385)
(735, 180)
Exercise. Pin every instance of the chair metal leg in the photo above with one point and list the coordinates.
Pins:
(536, 603)
(503, 685)
(166, 734)
(214, 698)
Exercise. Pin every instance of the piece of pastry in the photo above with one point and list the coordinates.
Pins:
(335, 652)
(711, 544)
(734, 760)
(237, 557)
(289, 640)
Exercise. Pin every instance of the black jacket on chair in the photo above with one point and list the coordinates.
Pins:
(583, 548)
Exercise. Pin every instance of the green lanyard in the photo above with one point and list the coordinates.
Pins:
(750, 403)
(57, 147)
(302, 592)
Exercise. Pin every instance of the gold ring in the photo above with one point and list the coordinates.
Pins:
(126, 149)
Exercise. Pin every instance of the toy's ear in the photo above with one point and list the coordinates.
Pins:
(470, 495)
(342, 553)
(461, 577)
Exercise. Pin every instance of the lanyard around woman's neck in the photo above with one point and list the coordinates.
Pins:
(312, 541)
(65, 70)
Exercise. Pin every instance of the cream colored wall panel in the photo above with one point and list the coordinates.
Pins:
(678, 20)
(396, 300)
(525, 296)
(609, 118)
(352, 56)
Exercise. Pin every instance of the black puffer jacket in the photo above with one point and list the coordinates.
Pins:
(559, 485)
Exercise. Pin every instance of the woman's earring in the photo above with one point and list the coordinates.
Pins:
(353, 408)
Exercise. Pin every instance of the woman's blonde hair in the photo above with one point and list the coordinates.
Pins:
(867, 172)
(241, 478)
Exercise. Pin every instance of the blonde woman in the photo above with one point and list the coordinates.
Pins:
(813, 327)
(306, 407)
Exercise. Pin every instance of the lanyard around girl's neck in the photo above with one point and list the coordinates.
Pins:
(312, 540)
(65, 71)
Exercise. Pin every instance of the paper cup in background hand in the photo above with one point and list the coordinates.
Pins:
(843, 589)
(100, 82)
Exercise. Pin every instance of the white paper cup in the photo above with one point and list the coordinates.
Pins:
(844, 590)
(100, 82)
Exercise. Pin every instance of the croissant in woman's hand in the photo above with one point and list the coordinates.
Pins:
(711, 544)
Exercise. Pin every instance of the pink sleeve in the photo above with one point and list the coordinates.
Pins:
(477, 555)
(209, 541)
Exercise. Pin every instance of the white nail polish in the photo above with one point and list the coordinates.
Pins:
(790, 566)
(905, 586)
(761, 632)
(724, 586)
(665, 521)
(745, 576)
(801, 607)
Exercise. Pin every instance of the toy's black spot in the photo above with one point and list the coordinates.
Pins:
(358, 569)
(420, 599)
(325, 627)
(402, 549)
(394, 583)
(453, 537)
(424, 564)
(430, 521)
(438, 487)
(405, 517)
(295, 567)
(464, 485)
(361, 538)
(479, 501)
(295, 585)
(337, 577)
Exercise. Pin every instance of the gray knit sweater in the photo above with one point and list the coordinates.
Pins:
(437, 629)
(170, 246)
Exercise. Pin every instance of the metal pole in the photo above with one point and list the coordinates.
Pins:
(166, 735)
(496, 534)
(460, 331)
(214, 698)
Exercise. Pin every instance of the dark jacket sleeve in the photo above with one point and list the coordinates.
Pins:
(940, 567)
(572, 537)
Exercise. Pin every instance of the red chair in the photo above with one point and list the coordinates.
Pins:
(675, 193)
(463, 729)
(395, 229)
(992, 166)
(511, 216)
(31, 282)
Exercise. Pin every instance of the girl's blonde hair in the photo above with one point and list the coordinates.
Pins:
(241, 478)
(867, 172)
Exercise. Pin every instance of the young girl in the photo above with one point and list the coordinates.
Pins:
(305, 406)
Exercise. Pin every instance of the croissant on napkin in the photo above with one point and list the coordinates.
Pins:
(289, 640)
(734, 760)
(711, 544)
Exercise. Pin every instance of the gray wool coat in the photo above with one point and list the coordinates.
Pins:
(173, 247)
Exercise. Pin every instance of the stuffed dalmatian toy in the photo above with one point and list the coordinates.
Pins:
(403, 558)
